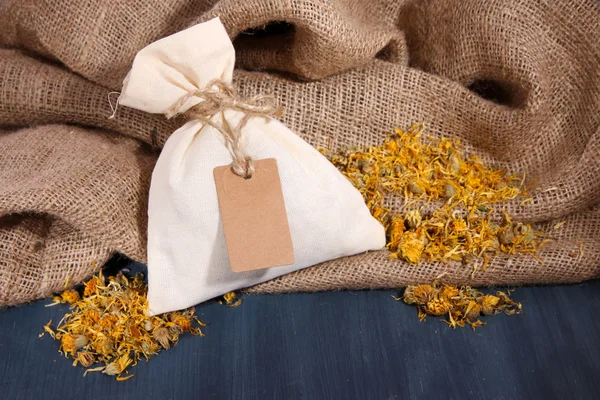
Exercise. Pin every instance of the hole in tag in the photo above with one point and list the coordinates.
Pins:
(245, 177)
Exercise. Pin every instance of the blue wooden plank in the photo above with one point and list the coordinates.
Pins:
(340, 345)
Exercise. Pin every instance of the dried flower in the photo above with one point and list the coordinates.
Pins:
(174, 332)
(462, 306)
(86, 358)
(67, 343)
(489, 303)
(80, 341)
(162, 336)
(447, 292)
(436, 170)
(89, 288)
(116, 367)
(231, 299)
(408, 296)
(110, 325)
(413, 219)
(473, 310)
(438, 307)
(92, 314)
(506, 235)
(69, 296)
(418, 294)
(415, 187)
(523, 232)
(454, 163)
(183, 322)
(449, 190)
(411, 247)
(459, 226)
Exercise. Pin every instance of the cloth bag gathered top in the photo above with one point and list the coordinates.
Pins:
(188, 260)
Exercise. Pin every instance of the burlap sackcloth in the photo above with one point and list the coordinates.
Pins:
(517, 80)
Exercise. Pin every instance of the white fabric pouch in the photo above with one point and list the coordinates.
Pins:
(187, 253)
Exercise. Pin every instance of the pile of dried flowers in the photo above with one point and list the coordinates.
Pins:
(461, 228)
(109, 325)
(462, 306)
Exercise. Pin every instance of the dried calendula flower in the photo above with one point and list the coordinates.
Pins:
(448, 292)
(507, 305)
(415, 187)
(459, 226)
(116, 367)
(109, 325)
(89, 287)
(473, 310)
(71, 343)
(162, 336)
(436, 171)
(148, 325)
(506, 235)
(438, 307)
(103, 345)
(69, 296)
(86, 358)
(174, 332)
(368, 167)
(489, 304)
(181, 321)
(411, 247)
(449, 190)
(67, 343)
(408, 296)
(231, 299)
(418, 294)
(463, 306)
(454, 163)
(413, 218)
(92, 314)
(523, 231)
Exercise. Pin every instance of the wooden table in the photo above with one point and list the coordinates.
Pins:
(344, 345)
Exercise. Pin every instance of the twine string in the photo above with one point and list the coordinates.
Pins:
(219, 96)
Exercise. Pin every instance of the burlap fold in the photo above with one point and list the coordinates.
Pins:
(349, 71)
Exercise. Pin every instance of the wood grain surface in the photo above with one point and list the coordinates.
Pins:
(342, 345)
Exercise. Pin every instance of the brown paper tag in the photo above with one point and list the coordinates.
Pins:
(255, 222)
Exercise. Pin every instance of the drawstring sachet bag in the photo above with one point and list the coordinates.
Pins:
(236, 198)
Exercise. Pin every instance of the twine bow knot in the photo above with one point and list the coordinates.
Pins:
(219, 96)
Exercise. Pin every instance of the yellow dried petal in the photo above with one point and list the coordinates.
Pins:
(162, 336)
(506, 235)
(411, 247)
(446, 293)
(438, 307)
(89, 288)
(71, 343)
(69, 296)
(413, 218)
(422, 293)
(86, 358)
(488, 303)
(415, 187)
